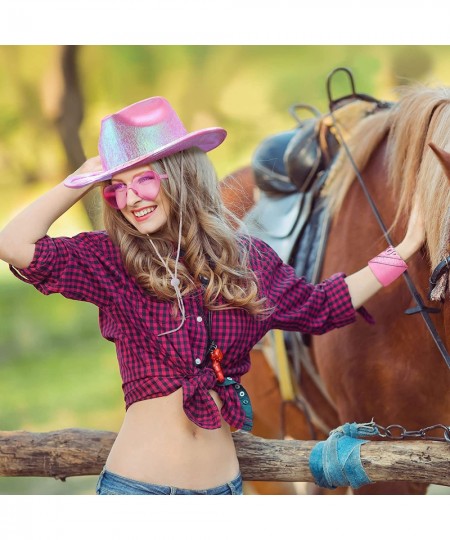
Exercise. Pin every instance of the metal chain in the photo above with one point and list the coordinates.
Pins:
(396, 432)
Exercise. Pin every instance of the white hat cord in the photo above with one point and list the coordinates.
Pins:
(174, 281)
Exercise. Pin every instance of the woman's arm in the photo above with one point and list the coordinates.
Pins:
(18, 238)
(363, 284)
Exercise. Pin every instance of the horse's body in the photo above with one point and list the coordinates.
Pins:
(390, 371)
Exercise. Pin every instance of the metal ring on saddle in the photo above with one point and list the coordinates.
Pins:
(310, 108)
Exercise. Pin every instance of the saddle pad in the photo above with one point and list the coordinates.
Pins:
(279, 221)
(309, 252)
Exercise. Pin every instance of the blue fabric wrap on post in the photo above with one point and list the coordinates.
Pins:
(337, 461)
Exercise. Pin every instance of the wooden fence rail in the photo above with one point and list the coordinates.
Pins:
(80, 452)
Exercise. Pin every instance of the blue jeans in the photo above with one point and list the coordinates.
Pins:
(113, 484)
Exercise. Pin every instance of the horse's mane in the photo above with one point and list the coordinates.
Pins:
(420, 116)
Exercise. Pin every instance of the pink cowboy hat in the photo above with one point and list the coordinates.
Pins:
(141, 133)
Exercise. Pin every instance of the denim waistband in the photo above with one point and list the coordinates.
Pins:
(110, 483)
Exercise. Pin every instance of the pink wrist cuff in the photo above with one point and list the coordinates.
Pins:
(387, 266)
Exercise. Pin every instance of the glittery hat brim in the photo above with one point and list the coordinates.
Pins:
(206, 140)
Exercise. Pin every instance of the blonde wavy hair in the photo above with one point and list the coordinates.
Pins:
(211, 246)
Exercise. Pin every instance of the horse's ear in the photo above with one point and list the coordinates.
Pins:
(443, 157)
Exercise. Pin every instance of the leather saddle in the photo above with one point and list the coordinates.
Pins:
(290, 171)
(288, 162)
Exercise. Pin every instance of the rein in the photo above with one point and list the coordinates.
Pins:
(420, 306)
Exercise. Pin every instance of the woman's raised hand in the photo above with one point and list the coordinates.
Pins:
(90, 166)
(18, 238)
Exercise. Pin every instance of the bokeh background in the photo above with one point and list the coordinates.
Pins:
(55, 370)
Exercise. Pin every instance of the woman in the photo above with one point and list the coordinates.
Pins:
(180, 293)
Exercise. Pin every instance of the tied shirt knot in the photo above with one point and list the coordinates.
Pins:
(198, 403)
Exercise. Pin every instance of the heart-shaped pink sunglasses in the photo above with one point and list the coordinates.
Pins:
(145, 186)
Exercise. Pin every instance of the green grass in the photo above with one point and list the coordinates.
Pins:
(56, 372)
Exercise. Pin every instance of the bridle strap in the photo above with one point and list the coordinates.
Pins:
(438, 271)
(420, 306)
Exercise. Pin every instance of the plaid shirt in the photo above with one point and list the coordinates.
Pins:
(88, 267)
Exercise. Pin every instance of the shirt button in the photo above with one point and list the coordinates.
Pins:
(198, 361)
(199, 319)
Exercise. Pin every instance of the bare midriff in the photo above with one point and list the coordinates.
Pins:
(158, 444)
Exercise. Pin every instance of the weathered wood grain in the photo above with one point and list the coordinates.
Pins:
(80, 452)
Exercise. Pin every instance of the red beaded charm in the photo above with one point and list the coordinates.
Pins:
(216, 357)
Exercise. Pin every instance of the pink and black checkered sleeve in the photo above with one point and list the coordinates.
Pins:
(301, 306)
(72, 267)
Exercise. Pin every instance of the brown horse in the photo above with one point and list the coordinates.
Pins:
(391, 371)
